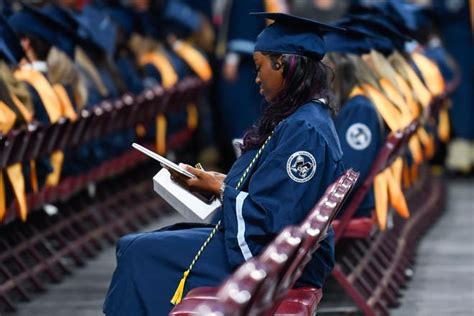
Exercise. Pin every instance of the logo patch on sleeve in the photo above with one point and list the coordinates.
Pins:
(301, 166)
(358, 136)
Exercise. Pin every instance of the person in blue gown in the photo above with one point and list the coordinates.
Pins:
(359, 126)
(289, 159)
(455, 25)
(238, 100)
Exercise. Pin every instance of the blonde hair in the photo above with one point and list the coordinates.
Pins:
(84, 61)
(16, 88)
(61, 69)
(383, 68)
(401, 65)
(143, 45)
(363, 73)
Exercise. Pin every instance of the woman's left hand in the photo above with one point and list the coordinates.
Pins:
(205, 181)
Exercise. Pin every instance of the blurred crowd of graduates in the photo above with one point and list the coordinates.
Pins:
(58, 57)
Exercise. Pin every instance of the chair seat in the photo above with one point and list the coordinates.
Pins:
(357, 227)
(190, 306)
(301, 302)
(205, 292)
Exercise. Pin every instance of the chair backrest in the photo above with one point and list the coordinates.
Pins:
(278, 256)
(52, 134)
(251, 287)
(394, 146)
(79, 127)
(124, 113)
(235, 295)
(37, 133)
(315, 226)
(18, 142)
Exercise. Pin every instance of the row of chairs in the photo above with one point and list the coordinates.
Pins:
(23, 145)
(48, 247)
(372, 265)
(37, 140)
(261, 286)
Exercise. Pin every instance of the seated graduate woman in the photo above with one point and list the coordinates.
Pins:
(359, 126)
(289, 158)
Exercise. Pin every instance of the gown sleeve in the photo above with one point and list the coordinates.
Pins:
(359, 129)
(360, 132)
(280, 191)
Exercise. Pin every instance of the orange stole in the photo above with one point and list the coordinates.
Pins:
(390, 114)
(14, 172)
(54, 106)
(430, 72)
(57, 157)
(444, 127)
(7, 118)
(194, 59)
(169, 78)
(418, 89)
(50, 100)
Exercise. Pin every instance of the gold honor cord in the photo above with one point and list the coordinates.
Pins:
(178, 295)
(471, 5)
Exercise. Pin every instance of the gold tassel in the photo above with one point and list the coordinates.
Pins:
(57, 159)
(406, 175)
(427, 141)
(415, 149)
(381, 199)
(192, 121)
(140, 130)
(161, 134)
(396, 197)
(444, 129)
(33, 177)
(178, 295)
(3, 201)
(17, 180)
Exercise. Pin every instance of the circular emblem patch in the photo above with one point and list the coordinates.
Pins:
(358, 136)
(301, 166)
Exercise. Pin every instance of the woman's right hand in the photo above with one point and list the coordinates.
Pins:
(205, 181)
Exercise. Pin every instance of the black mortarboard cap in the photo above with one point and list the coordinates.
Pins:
(291, 34)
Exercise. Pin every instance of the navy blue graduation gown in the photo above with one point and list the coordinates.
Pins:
(455, 28)
(359, 128)
(299, 162)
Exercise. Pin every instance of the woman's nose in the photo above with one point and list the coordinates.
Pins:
(257, 79)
